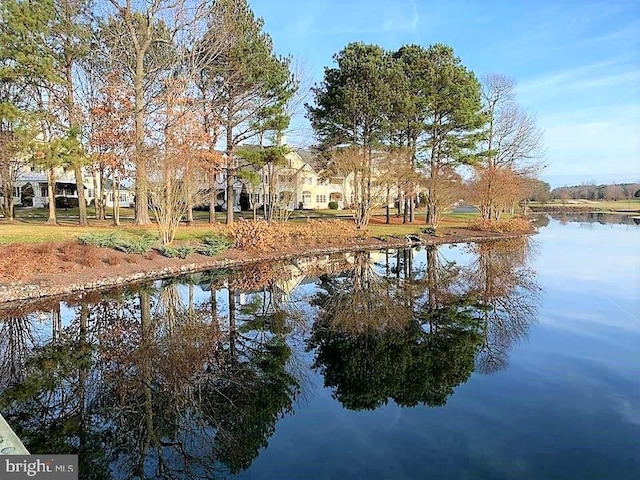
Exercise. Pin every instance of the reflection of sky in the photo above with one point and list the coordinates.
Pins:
(595, 270)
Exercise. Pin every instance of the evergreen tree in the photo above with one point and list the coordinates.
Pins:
(454, 119)
(248, 82)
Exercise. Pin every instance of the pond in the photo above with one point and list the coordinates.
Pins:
(510, 359)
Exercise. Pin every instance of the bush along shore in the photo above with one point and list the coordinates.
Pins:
(99, 261)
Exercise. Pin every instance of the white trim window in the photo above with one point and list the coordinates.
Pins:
(321, 199)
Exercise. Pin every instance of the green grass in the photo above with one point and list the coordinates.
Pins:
(122, 241)
(30, 226)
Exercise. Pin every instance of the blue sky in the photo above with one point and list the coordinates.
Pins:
(577, 63)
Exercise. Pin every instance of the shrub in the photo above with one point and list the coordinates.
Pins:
(117, 242)
(333, 205)
(180, 251)
(323, 231)
(135, 245)
(512, 225)
(214, 244)
(263, 236)
(66, 202)
(429, 230)
(258, 235)
(103, 240)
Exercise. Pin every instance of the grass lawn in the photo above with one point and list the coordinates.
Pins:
(30, 226)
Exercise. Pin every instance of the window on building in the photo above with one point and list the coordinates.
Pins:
(321, 199)
(308, 180)
(90, 192)
(16, 192)
(44, 191)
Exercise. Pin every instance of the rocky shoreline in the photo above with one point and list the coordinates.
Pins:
(17, 293)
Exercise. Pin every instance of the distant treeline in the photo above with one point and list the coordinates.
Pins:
(615, 191)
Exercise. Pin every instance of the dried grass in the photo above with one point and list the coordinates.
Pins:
(512, 225)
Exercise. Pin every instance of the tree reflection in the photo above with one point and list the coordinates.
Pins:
(152, 387)
(417, 334)
(361, 300)
(507, 291)
(379, 338)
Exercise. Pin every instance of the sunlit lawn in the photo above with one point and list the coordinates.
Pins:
(30, 226)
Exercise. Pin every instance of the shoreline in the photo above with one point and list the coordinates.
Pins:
(580, 209)
(20, 292)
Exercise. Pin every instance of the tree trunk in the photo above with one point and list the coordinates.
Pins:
(82, 203)
(51, 179)
(7, 193)
(388, 219)
(5, 199)
(412, 204)
(230, 194)
(272, 191)
(405, 210)
(230, 175)
(213, 197)
(190, 208)
(116, 202)
(142, 206)
(9, 213)
(98, 188)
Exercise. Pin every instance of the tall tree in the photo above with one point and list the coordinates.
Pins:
(71, 35)
(44, 41)
(409, 119)
(111, 117)
(454, 120)
(352, 107)
(27, 71)
(140, 42)
(247, 80)
(512, 144)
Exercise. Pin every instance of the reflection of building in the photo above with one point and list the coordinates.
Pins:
(300, 268)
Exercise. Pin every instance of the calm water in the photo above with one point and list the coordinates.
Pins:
(509, 360)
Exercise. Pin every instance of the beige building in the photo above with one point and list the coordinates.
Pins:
(302, 184)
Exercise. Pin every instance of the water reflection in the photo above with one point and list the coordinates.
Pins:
(415, 337)
(188, 377)
(147, 386)
(601, 218)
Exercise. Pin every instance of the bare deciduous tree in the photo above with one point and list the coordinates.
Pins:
(512, 146)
